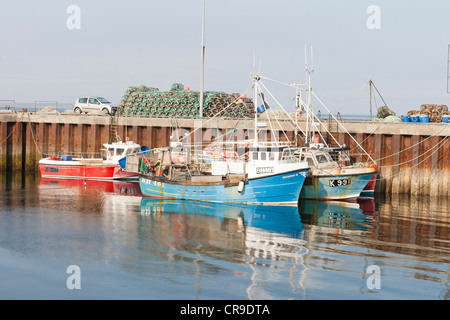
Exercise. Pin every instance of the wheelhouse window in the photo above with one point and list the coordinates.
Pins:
(119, 151)
(263, 156)
(321, 158)
(131, 150)
(310, 161)
(255, 156)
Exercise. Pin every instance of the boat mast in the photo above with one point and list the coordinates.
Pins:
(297, 113)
(202, 72)
(255, 103)
(309, 109)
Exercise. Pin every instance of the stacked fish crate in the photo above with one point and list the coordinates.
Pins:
(434, 112)
(183, 103)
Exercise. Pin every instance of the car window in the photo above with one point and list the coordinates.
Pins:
(82, 100)
(103, 100)
(93, 100)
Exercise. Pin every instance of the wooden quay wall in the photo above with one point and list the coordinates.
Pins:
(413, 158)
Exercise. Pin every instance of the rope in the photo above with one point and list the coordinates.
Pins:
(15, 126)
(370, 158)
(367, 138)
(413, 167)
(394, 154)
(32, 135)
(436, 146)
(223, 109)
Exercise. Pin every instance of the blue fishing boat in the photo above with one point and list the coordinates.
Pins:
(330, 180)
(244, 171)
(268, 176)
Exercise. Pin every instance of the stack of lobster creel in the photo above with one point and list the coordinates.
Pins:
(181, 102)
(435, 112)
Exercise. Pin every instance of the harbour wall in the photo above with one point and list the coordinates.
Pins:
(413, 158)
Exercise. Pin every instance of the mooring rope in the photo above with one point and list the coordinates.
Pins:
(15, 126)
(414, 145)
(32, 135)
(438, 146)
(413, 167)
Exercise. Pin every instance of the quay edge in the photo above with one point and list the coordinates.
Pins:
(414, 156)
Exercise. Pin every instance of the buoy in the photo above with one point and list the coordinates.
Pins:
(241, 186)
(187, 88)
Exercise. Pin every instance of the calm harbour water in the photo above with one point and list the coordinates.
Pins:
(129, 247)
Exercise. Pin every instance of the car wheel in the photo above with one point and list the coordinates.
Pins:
(105, 111)
(77, 110)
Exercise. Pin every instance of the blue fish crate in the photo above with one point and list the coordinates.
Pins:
(415, 118)
(424, 118)
(66, 158)
(406, 118)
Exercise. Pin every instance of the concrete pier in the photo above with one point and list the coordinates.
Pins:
(413, 158)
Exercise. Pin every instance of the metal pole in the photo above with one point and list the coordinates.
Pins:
(370, 96)
(255, 104)
(202, 75)
(448, 62)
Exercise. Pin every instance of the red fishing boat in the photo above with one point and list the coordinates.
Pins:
(111, 166)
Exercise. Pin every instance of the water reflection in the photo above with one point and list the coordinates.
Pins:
(262, 237)
(357, 216)
(318, 250)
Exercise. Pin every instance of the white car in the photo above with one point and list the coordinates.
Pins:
(94, 105)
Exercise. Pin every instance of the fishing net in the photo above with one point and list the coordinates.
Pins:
(384, 112)
(181, 102)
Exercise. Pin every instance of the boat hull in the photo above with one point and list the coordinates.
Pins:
(369, 189)
(280, 189)
(78, 170)
(340, 187)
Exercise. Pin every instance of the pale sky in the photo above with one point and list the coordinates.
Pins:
(157, 43)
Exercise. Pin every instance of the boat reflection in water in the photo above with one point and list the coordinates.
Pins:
(122, 187)
(264, 239)
(341, 215)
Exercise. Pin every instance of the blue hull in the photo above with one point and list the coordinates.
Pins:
(279, 219)
(278, 189)
(329, 187)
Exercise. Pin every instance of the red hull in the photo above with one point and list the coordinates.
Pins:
(77, 171)
(117, 187)
(370, 187)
